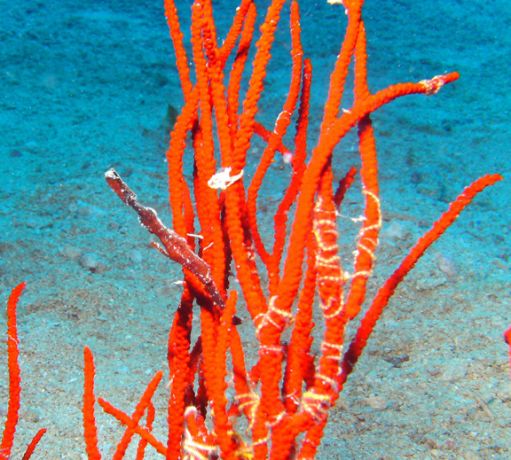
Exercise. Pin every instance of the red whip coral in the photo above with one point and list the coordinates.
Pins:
(14, 382)
(286, 395)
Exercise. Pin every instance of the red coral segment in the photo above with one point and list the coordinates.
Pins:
(13, 407)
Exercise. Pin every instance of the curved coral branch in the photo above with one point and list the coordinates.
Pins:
(14, 373)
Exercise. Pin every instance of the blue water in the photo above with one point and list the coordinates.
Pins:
(88, 85)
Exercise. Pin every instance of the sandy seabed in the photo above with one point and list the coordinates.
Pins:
(88, 85)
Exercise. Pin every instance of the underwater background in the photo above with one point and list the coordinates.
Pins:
(87, 85)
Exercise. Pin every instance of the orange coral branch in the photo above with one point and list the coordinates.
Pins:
(13, 407)
(369, 233)
(344, 185)
(90, 431)
(266, 135)
(143, 404)
(223, 427)
(126, 420)
(507, 339)
(298, 353)
(281, 125)
(256, 84)
(385, 292)
(208, 206)
(142, 444)
(301, 228)
(238, 66)
(178, 361)
(177, 38)
(245, 13)
(14, 374)
(33, 444)
(298, 163)
(340, 72)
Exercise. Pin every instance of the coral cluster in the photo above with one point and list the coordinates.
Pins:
(285, 396)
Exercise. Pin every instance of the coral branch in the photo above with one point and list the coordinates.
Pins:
(275, 140)
(33, 444)
(142, 444)
(343, 186)
(177, 38)
(507, 339)
(385, 292)
(14, 374)
(143, 404)
(90, 431)
(126, 420)
(179, 368)
(13, 407)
